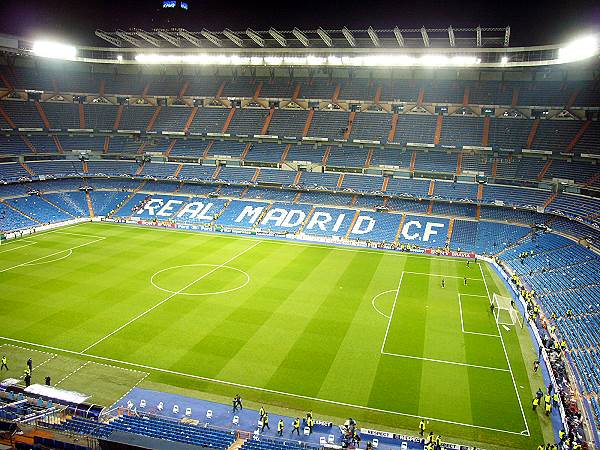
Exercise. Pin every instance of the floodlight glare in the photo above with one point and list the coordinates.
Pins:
(47, 49)
(579, 49)
(504, 60)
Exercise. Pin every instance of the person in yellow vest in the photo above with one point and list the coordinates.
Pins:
(296, 426)
(421, 428)
(280, 427)
(535, 403)
(310, 423)
(548, 408)
(562, 435)
(265, 422)
(4, 364)
(555, 399)
(261, 412)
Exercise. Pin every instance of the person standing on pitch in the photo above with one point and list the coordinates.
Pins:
(422, 428)
(443, 282)
(30, 365)
(234, 405)
(280, 427)
(465, 281)
(4, 364)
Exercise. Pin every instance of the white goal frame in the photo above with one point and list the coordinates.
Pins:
(506, 304)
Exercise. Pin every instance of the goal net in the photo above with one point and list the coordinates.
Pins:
(504, 311)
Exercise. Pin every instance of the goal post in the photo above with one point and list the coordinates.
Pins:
(504, 311)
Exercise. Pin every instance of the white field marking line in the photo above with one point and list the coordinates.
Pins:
(20, 246)
(146, 375)
(255, 388)
(22, 377)
(506, 356)
(376, 297)
(28, 349)
(59, 231)
(167, 299)
(443, 361)
(387, 330)
(442, 275)
(462, 324)
(51, 254)
(120, 368)
(72, 373)
(226, 291)
(279, 241)
(16, 240)
(69, 253)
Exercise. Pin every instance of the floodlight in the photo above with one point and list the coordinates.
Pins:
(579, 49)
(504, 60)
(273, 60)
(47, 49)
(119, 57)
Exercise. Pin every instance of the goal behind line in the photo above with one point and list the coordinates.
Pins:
(504, 311)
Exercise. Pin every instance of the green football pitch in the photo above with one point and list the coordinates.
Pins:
(344, 332)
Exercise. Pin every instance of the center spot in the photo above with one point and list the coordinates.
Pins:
(199, 279)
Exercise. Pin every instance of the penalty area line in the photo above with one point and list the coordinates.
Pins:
(506, 356)
(13, 248)
(28, 263)
(259, 389)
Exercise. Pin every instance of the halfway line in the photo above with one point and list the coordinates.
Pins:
(167, 299)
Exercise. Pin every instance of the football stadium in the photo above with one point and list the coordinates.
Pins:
(299, 240)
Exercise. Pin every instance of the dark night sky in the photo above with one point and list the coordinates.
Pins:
(532, 22)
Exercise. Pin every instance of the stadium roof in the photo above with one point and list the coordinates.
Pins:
(312, 39)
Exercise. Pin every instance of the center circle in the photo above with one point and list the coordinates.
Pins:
(237, 276)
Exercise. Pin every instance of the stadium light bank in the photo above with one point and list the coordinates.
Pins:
(577, 50)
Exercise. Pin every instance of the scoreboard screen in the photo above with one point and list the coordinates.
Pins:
(169, 4)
